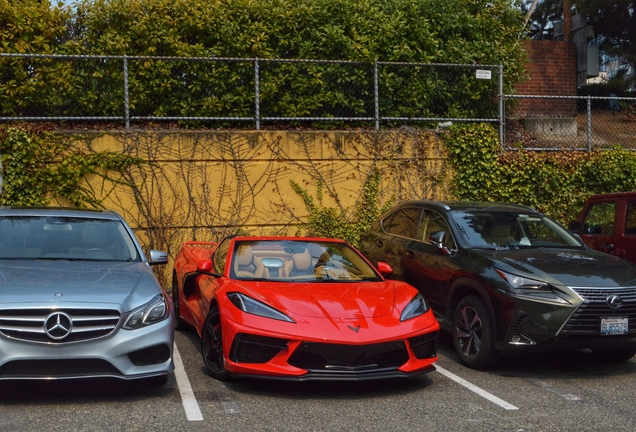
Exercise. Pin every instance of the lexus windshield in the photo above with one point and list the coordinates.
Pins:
(65, 238)
(507, 229)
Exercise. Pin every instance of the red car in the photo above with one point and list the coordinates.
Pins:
(302, 309)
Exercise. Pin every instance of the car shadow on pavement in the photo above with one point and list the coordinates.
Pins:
(85, 390)
(546, 364)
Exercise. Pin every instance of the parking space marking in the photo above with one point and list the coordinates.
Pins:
(555, 390)
(190, 404)
(483, 393)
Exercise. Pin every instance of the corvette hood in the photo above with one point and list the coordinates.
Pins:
(63, 281)
(577, 268)
(329, 300)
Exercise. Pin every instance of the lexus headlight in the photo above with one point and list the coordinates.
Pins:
(150, 313)
(415, 308)
(254, 307)
(523, 283)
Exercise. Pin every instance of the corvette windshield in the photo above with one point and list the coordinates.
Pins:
(509, 229)
(299, 261)
(65, 238)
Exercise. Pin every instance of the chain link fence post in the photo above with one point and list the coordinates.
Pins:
(126, 96)
(589, 124)
(257, 96)
(376, 93)
(502, 119)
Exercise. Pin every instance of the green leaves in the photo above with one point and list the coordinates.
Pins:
(332, 222)
(556, 183)
(39, 167)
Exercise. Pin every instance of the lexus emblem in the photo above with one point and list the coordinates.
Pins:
(614, 302)
(355, 329)
(58, 325)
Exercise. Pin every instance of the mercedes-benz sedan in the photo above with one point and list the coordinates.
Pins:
(79, 299)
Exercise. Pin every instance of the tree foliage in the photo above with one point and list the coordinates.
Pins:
(441, 31)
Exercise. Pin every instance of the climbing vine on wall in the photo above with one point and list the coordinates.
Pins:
(556, 183)
(40, 167)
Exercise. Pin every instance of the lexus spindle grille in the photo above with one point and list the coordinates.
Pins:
(586, 320)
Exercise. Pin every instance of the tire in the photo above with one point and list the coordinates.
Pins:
(212, 346)
(179, 323)
(615, 354)
(473, 334)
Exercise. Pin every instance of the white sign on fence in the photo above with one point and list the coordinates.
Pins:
(483, 74)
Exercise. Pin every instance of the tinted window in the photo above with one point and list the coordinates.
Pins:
(433, 222)
(600, 218)
(630, 218)
(55, 237)
(404, 223)
(510, 229)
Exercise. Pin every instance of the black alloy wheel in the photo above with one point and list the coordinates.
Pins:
(179, 324)
(473, 334)
(212, 346)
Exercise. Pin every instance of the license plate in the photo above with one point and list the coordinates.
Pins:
(614, 326)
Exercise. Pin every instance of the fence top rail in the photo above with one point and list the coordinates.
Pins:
(508, 96)
(235, 59)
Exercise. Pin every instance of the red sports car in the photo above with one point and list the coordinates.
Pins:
(302, 309)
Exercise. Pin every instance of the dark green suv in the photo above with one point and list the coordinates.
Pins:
(506, 278)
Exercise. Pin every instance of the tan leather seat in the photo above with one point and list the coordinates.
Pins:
(499, 235)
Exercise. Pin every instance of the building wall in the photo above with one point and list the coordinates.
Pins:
(551, 71)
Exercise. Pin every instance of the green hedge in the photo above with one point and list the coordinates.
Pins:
(557, 183)
(441, 31)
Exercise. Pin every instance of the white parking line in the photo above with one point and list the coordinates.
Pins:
(474, 388)
(552, 389)
(190, 404)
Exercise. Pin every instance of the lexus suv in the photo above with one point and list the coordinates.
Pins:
(504, 278)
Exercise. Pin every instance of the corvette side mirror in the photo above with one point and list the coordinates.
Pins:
(384, 269)
(205, 267)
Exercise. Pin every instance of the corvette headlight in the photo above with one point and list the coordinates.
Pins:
(254, 307)
(150, 313)
(416, 307)
(522, 283)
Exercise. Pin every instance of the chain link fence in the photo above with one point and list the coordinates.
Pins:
(136, 91)
(579, 123)
(232, 92)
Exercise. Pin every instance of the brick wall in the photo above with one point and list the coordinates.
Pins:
(551, 70)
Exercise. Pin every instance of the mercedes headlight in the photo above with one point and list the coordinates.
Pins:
(416, 307)
(254, 307)
(151, 313)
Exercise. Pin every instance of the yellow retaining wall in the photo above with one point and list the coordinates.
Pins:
(207, 184)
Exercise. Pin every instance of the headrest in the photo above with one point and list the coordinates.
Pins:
(244, 255)
(302, 261)
(500, 231)
(93, 234)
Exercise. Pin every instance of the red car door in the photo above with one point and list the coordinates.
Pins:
(626, 247)
(601, 228)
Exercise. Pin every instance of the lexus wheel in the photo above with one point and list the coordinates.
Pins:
(179, 324)
(473, 334)
(212, 346)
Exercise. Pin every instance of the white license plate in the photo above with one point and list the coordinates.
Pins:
(614, 326)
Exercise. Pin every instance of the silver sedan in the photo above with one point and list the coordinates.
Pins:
(78, 298)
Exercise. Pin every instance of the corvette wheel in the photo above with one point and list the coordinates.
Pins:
(179, 324)
(473, 334)
(212, 346)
